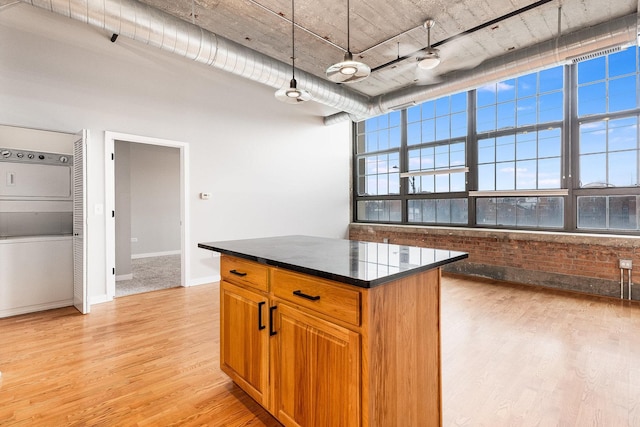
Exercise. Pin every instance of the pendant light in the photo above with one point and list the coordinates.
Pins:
(291, 94)
(348, 71)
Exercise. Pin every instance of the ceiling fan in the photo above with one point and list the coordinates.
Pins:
(431, 56)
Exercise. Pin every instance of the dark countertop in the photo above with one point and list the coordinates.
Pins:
(364, 264)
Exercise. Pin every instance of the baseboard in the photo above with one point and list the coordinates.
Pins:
(99, 299)
(124, 277)
(154, 254)
(35, 307)
(204, 280)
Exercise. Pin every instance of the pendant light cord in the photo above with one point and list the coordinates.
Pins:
(348, 33)
(293, 39)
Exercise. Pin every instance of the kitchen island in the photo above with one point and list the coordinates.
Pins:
(332, 332)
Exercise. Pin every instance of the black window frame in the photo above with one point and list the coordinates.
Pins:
(569, 174)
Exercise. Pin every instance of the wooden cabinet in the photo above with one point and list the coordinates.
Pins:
(320, 353)
(244, 349)
(316, 371)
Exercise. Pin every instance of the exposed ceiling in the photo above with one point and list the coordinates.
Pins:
(264, 26)
(479, 40)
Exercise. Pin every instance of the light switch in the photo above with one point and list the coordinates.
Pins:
(205, 196)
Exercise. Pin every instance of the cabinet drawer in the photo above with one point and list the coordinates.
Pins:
(240, 271)
(317, 294)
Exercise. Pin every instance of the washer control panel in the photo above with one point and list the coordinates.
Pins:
(26, 156)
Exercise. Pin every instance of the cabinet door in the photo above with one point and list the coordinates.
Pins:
(316, 368)
(244, 335)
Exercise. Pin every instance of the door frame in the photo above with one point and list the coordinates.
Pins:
(109, 191)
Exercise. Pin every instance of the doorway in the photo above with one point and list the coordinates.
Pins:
(146, 231)
(147, 201)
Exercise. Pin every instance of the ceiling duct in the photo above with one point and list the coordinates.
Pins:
(592, 55)
(145, 24)
(140, 22)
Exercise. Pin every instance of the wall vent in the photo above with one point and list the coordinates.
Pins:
(596, 54)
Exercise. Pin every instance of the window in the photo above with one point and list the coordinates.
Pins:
(378, 167)
(523, 161)
(609, 153)
(379, 163)
(380, 210)
(436, 136)
(514, 153)
(528, 100)
(510, 154)
(436, 154)
(521, 212)
(438, 211)
(604, 83)
(608, 212)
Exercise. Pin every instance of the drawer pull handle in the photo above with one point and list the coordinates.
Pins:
(237, 273)
(260, 325)
(305, 296)
(272, 332)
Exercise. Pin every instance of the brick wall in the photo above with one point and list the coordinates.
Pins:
(578, 262)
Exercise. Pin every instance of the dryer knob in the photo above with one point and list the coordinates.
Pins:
(64, 159)
(5, 153)
(31, 156)
(20, 155)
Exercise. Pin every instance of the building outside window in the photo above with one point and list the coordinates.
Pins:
(511, 154)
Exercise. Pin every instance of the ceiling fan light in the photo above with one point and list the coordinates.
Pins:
(429, 63)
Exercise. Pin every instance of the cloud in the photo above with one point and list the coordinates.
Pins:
(592, 125)
(511, 169)
(549, 183)
(500, 86)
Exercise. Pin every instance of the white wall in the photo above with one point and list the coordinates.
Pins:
(155, 199)
(272, 168)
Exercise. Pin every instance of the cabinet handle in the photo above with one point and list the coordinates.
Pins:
(237, 273)
(271, 310)
(260, 325)
(305, 296)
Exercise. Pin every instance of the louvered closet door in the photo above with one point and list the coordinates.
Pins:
(79, 230)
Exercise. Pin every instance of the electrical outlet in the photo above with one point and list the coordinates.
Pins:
(626, 264)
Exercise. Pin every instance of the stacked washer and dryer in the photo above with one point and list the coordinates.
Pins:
(36, 226)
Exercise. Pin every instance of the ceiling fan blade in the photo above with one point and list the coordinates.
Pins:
(426, 77)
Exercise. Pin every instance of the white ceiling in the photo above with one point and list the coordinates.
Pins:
(264, 26)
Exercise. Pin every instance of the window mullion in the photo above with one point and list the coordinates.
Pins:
(404, 166)
(471, 156)
(571, 145)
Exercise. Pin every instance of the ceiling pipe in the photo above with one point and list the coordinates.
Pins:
(140, 22)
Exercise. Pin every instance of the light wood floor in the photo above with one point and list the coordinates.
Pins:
(512, 356)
